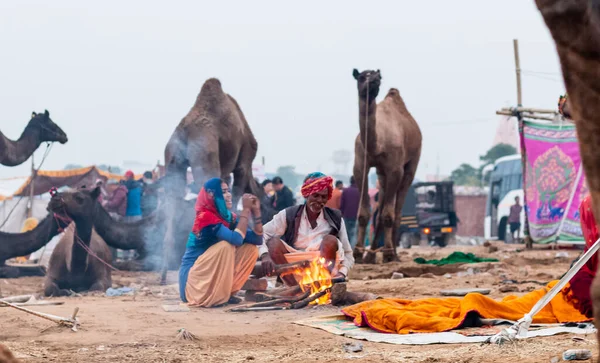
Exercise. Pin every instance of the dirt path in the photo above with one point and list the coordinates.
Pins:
(136, 329)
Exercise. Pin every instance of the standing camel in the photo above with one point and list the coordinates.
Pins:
(214, 139)
(575, 27)
(40, 129)
(390, 141)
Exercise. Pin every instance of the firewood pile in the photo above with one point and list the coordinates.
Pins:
(315, 286)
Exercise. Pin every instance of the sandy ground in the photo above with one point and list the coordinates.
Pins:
(137, 329)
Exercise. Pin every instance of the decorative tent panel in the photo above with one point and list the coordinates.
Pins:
(552, 162)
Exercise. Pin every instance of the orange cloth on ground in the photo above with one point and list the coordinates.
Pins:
(444, 314)
(219, 273)
(336, 199)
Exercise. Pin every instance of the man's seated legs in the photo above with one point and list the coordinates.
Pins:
(329, 249)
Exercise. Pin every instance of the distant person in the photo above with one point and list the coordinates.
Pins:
(116, 200)
(134, 197)
(514, 219)
(284, 197)
(103, 194)
(349, 207)
(267, 201)
(336, 197)
(150, 194)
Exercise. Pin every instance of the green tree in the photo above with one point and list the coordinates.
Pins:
(496, 152)
(465, 174)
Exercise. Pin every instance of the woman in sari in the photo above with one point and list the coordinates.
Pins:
(221, 250)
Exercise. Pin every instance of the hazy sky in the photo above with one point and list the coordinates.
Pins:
(118, 76)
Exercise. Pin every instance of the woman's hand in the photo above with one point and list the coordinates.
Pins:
(256, 207)
(247, 201)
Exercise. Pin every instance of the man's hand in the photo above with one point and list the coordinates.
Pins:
(268, 267)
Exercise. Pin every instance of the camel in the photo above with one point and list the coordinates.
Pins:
(40, 129)
(79, 261)
(22, 244)
(214, 139)
(575, 27)
(390, 141)
(6, 356)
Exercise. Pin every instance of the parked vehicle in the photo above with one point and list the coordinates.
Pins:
(428, 213)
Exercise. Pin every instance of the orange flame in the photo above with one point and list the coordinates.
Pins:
(317, 278)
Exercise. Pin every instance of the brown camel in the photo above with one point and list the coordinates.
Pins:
(6, 356)
(214, 139)
(390, 141)
(575, 27)
(40, 129)
(79, 260)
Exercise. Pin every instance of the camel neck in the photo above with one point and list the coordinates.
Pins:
(368, 122)
(79, 253)
(117, 234)
(13, 153)
(21, 244)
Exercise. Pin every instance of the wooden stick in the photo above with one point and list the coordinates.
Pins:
(243, 309)
(304, 303)
(270, 303)
(72, 323)
(288, 268)
(535, 117)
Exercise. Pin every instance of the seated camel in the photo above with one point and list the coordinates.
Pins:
(80, 260)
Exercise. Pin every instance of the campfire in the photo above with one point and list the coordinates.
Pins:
(316, 279)
(315, 287)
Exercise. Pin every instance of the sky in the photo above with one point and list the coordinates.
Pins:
(119, 76)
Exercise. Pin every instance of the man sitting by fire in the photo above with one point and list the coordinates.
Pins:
(308, 231)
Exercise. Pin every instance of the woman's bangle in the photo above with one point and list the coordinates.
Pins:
(258, 219)
(243, 216)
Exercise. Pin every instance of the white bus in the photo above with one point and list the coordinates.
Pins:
(506, 183)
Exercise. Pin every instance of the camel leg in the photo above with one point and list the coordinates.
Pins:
(574, 25)
(174, 188)
(410, 170)
(51, 289)
(387, 210)
(364, 214)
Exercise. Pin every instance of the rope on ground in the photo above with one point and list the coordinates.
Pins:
(520, 328)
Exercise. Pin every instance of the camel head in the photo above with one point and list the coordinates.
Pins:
(368, 80)
(49, 131)
(74, 204)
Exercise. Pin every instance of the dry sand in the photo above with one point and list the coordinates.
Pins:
(137, 329)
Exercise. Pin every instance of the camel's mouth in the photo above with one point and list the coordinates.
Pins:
(56, 206)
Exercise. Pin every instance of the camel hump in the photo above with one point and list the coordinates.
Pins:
(393, 92)
(394, 95)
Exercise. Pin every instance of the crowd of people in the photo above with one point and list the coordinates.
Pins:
(128, 200)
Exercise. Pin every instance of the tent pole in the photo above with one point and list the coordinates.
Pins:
(30, 210)
(562, 221)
